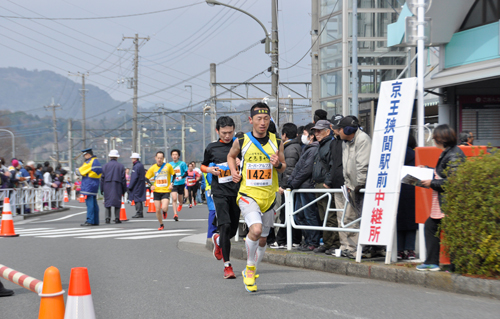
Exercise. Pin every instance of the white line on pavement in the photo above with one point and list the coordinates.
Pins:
(66, 233)
(20, 230)
(74, 206)
(155, 236)
(61, 218)
(180, 220)
(45, 232)
(138, 232)
(312, 283)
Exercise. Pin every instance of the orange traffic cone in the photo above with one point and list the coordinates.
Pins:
(52, 302)
(123, 212)
(79, 304)
(85, 196)
(82, 199)
(66, 198)
(151, 206)
(147, 198)
(132, 203)
(7, 222)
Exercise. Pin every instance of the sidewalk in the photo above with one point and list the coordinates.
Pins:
(374, 268)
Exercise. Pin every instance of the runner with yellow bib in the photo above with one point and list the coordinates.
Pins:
(262, 157)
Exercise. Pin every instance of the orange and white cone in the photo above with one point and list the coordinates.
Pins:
(66, 198)
(7, 222)
(147, 198)
(123, 212)
(79, 304)
(52, 302)
(82, 199)
(151, 206)
(132, 203)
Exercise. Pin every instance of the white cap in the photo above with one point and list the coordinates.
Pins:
(113, 153)
(135, 155)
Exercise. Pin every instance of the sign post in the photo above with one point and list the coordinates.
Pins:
(383, 183)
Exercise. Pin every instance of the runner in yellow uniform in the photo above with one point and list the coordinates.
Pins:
(262, 157)
(160, 175)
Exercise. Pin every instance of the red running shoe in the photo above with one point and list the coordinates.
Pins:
(161, 227)
(190, 205)
(194, 203)
(217, 249)
(179, 208)
(229, 273)
(176, 217)
(164, 215)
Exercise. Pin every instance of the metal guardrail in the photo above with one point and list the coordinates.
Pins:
(289, 212)
(36, 199)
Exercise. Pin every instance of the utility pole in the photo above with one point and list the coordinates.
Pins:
(70, 147)
(135, 83)
(165, 139)
(274, 58)
(355, 104)
(213, 93)
(183, 136)
(315, 57)
(54, 122)
(82, 92)
(290, 109)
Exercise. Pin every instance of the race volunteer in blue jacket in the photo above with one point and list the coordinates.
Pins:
(90, 171)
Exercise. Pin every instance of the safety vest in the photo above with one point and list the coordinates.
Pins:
(259, 178)
(207, 184)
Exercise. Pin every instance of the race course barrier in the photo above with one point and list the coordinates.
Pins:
(21, 279)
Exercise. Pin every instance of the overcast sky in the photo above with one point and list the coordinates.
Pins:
(183, 42)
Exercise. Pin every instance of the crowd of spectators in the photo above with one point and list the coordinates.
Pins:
(18, 175)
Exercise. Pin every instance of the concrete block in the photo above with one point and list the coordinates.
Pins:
(385, 273)
(295, 260)
(474, 286)
(495, 289)
(358, 269)
(412, 277)
(238, 252)
(439, 280)
(336, 266)
(315, 263)
(273, 258)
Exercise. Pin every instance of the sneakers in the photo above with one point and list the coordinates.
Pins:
(118, 221)
(424, 267)
(296, 245)
(194, 203)
(401, 254)
(330, 251)
(217, 250)
(164, 215)
(176, 217)
(307, 248)
(161, 227)
(179, 208)
(411, 255)
(229, 273)
(277, 246)
(320, 250)
(249, 277)
(190, 205)
(108, 220)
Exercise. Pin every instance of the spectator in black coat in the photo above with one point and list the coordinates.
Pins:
(137, 186)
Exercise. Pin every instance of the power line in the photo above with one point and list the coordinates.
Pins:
(97, 18)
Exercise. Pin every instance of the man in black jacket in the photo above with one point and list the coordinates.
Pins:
(301, 177)
(321, 172)
(137, 186)
(336, 180)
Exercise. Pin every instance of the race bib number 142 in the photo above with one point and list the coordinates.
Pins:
(259, 174)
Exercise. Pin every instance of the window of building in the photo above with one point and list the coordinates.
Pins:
(331, 56)
(327, 7)
(333, 30)
(372, 25)
(331, 84)
(333, 107)
(369, 80)
(482, 12)
(392, 4)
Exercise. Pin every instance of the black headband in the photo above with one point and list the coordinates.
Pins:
(259, 111)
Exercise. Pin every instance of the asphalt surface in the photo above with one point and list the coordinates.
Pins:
(136, 274)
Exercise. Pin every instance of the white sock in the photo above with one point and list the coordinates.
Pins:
(227, 263)
(251, 251)
(260, 255)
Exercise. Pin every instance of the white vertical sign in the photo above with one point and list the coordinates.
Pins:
(383, 183)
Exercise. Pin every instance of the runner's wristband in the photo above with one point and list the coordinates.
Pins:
(279, 166)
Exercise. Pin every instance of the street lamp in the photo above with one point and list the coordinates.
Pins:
(13, 142)
(267, 40)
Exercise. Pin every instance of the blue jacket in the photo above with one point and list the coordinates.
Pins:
(91, 172)
(113, 183)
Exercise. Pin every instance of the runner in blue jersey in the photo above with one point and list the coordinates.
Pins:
(180, 168)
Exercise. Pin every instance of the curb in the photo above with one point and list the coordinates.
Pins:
(440, 280)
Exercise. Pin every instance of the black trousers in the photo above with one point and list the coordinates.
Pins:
(139, 208)
(432, 241)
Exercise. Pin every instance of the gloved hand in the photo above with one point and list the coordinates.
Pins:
(358, 188)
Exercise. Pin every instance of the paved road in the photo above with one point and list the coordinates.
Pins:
(139, 272)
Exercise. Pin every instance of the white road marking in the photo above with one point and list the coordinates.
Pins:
(65, 233)
(155, 236)
(30, 229)
(83, 207)
(312, 283)
(137, 232)
(308, 306)
(46, 232)
(27, 221)
(173, 221)
(65, 217)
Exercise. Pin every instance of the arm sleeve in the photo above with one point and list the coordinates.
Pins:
(362, 160)
(85, 169)
(133, 179)
(149, 174)
(329, 177)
